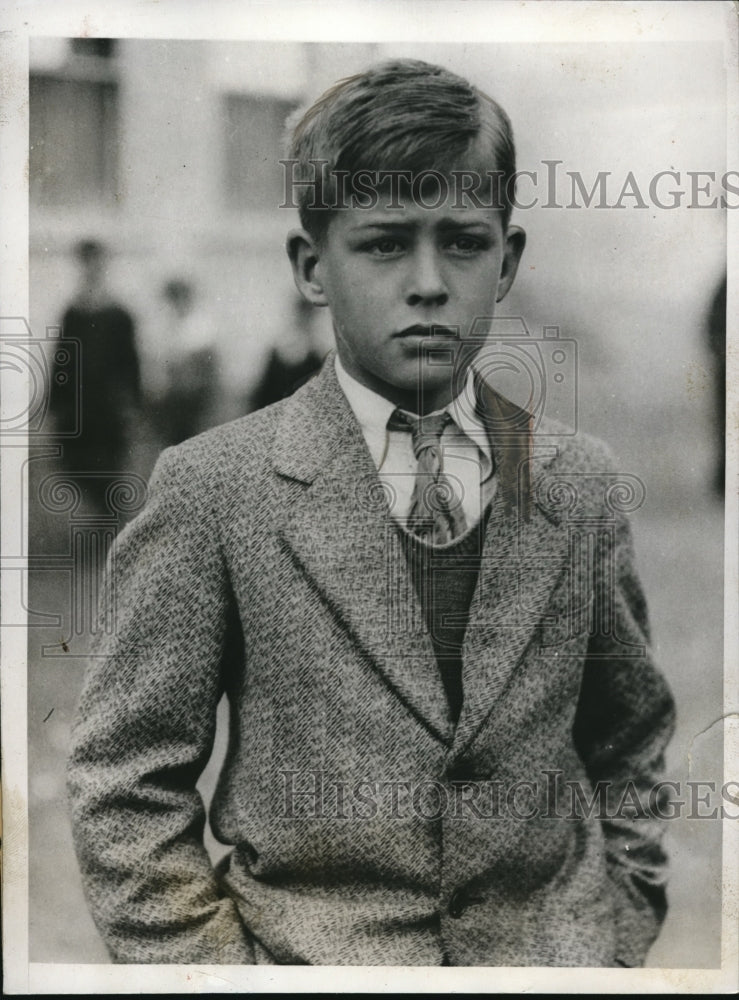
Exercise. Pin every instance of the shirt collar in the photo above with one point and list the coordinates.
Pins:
(373, 412)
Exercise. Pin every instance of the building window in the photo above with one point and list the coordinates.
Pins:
(254, 129)
(103, 48)
(73, 116)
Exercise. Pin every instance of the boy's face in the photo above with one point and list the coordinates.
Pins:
(391, 275)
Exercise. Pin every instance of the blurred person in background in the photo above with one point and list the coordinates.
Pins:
(190, 389)
(291, 362)
(105, 393)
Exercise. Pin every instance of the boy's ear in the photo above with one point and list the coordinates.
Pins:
(515, 242)
(304, 254)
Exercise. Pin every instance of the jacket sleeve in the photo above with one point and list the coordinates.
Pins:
(145, 731)
(625, 718)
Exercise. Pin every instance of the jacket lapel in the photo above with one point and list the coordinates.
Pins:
(523, 554)
(337, 526)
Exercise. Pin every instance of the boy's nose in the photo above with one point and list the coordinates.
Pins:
(426, 284)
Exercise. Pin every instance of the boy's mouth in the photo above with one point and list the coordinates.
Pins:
(429, 330)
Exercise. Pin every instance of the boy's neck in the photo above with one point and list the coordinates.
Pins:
(413, 401)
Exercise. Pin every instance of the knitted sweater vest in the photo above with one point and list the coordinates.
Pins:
(445, 578)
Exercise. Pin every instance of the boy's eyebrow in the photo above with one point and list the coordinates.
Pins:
(455, 223)
(446, 224)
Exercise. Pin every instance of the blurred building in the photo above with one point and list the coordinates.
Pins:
(168, 152)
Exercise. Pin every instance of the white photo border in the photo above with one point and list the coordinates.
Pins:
(432, 20)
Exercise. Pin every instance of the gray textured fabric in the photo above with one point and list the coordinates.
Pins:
(265, 565)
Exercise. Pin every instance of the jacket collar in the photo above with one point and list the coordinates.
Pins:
(338, 529)
(317, 421)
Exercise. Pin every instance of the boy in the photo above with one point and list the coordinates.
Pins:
(425, 677)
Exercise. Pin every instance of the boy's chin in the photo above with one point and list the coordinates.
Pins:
(429, 394)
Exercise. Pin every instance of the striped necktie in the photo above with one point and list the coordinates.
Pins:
(436, 515)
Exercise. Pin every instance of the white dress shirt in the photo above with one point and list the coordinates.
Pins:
(466, 457)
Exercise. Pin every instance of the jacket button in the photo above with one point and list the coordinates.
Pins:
(458, 903)
(463, 772)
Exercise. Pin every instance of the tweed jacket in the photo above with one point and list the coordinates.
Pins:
(366, 828)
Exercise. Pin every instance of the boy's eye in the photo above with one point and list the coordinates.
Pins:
(385, 247)
(466, 244)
